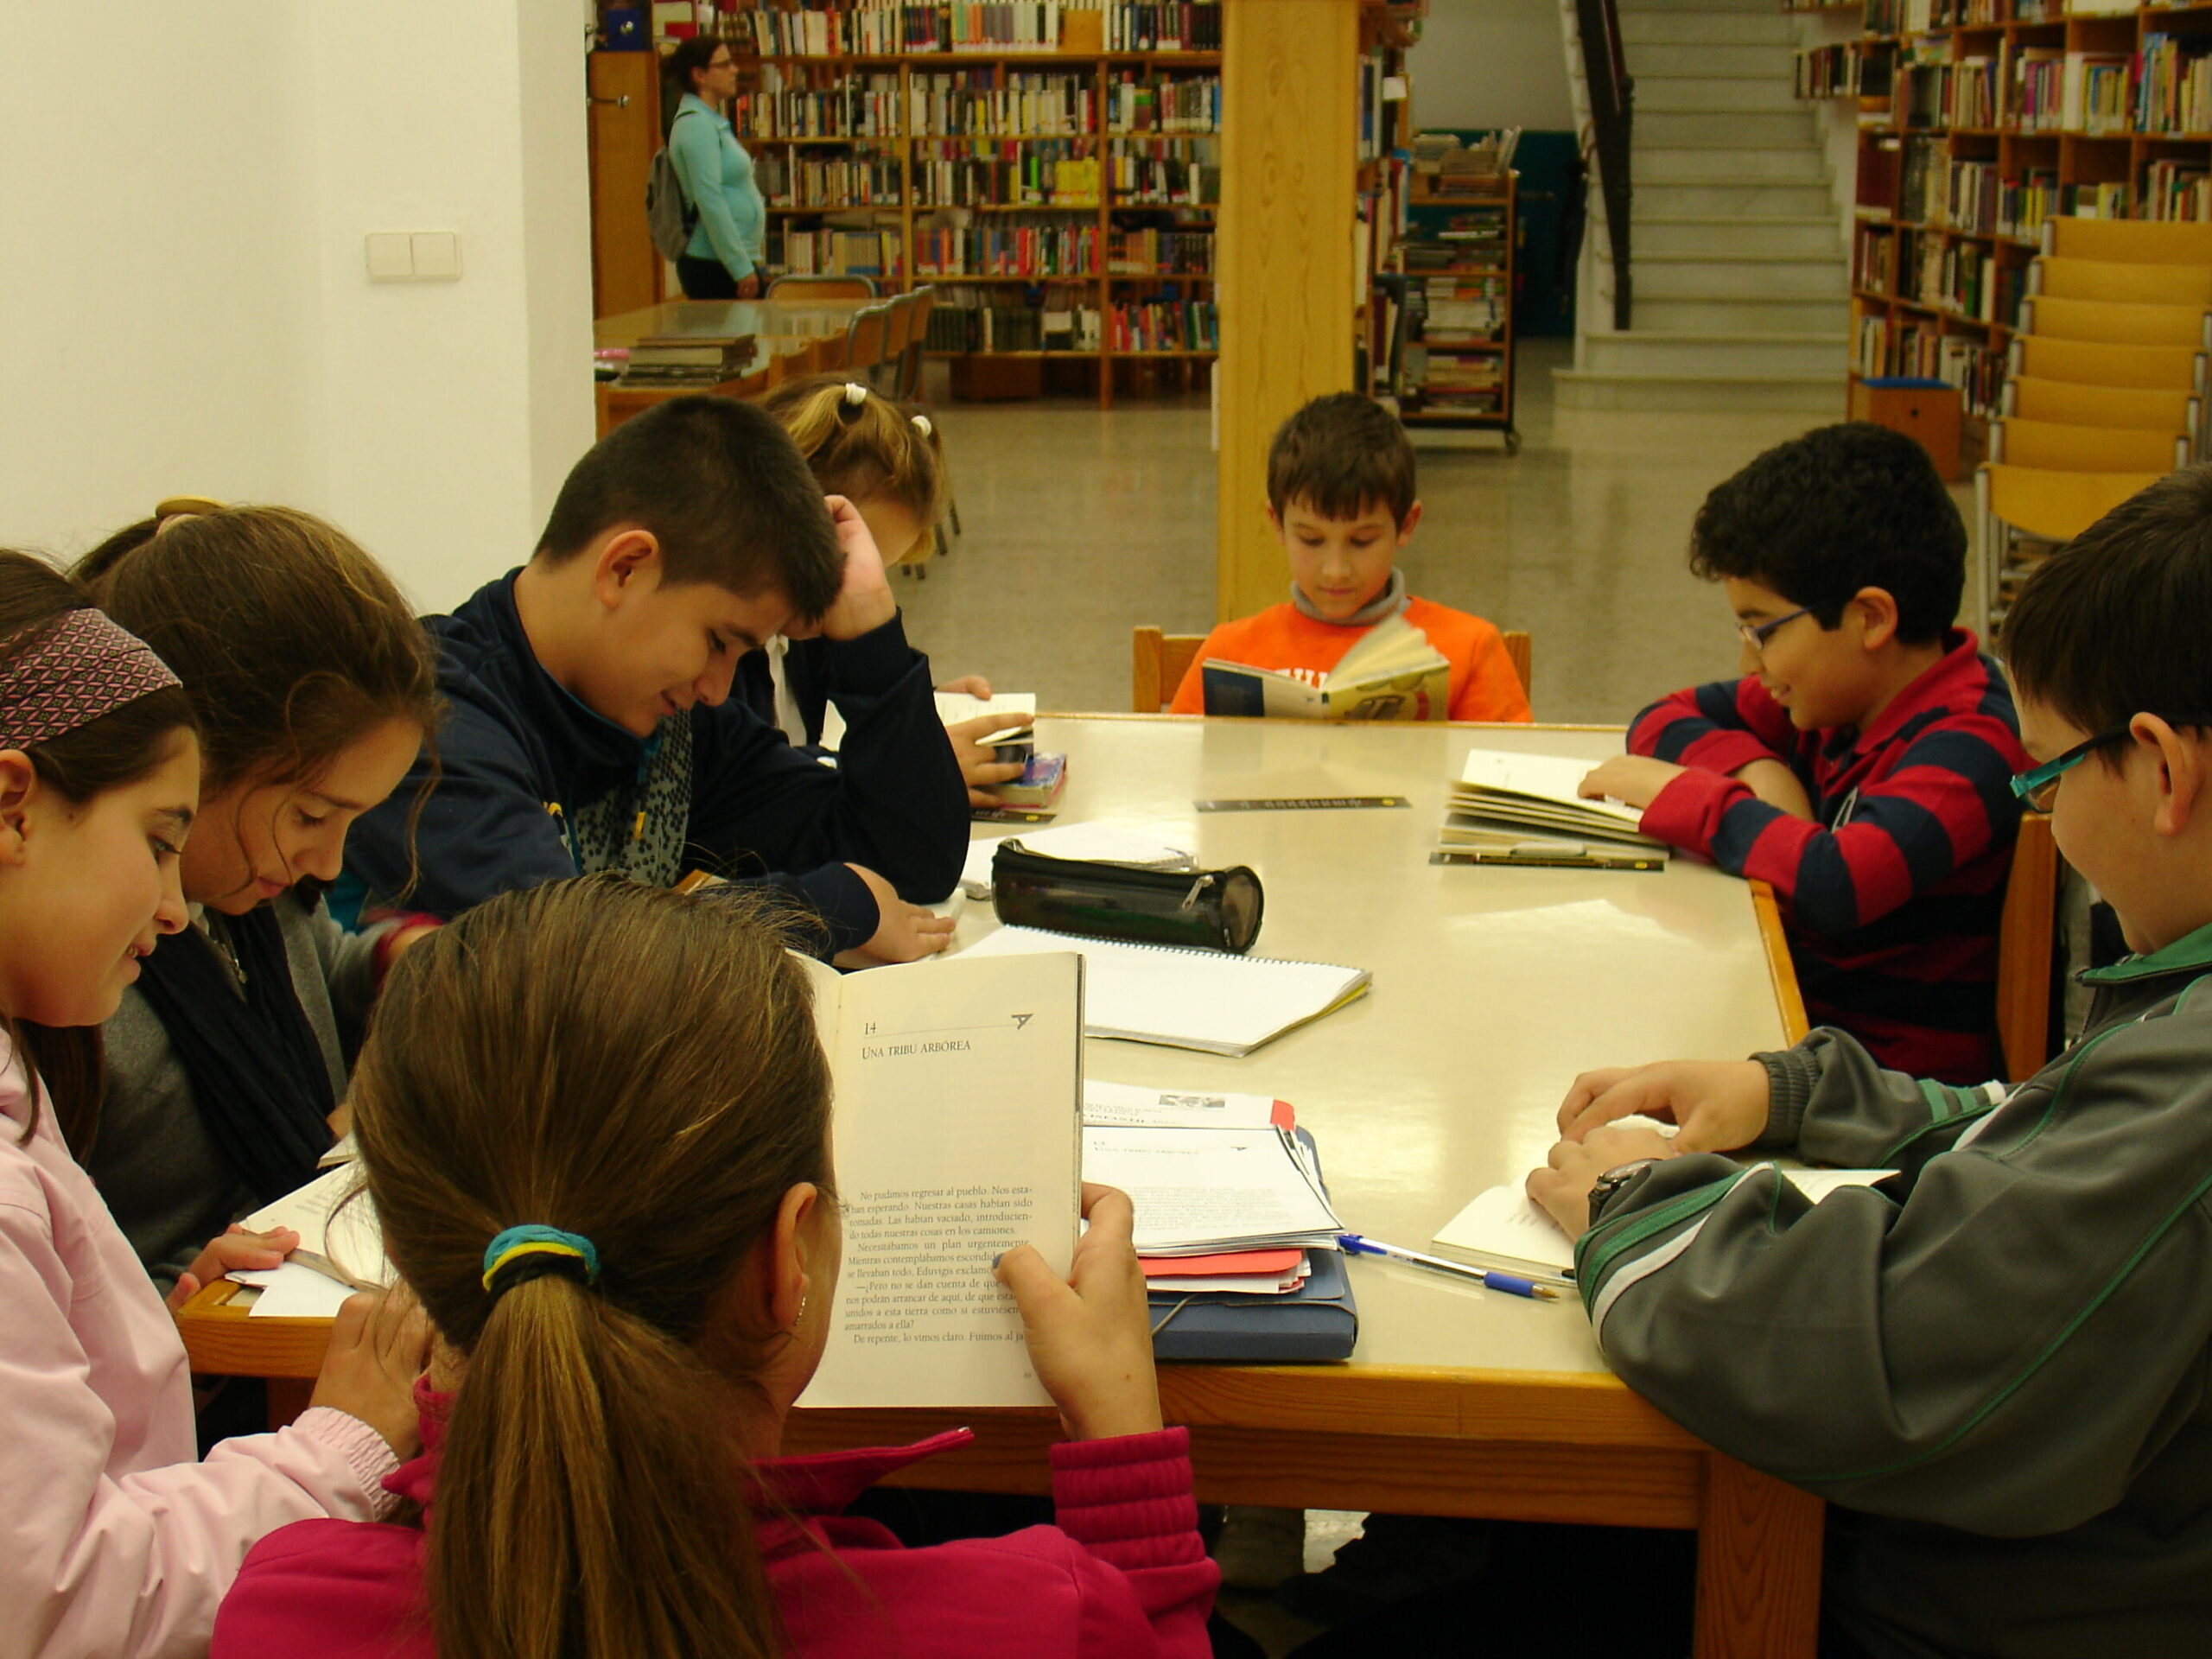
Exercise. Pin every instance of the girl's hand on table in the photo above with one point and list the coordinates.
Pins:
(236, 1249)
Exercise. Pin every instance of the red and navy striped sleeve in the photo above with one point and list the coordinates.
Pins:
(1945, 801)
(1721, 727)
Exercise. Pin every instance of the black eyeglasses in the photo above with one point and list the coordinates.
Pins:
(2037, 785)
(1756, 634)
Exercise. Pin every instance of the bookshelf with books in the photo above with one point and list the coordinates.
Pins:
(1980, 119)
(1053, 169)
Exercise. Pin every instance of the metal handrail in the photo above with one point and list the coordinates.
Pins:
(1612, 113)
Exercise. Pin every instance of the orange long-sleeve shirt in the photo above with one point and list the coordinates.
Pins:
(1484, 684)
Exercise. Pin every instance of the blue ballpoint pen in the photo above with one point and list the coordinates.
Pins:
(1511, 1284)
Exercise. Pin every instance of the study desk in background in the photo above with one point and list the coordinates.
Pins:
(1492, 988)
(791, 338)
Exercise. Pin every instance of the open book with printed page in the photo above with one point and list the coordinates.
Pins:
(956, 1134)
(1393, 673)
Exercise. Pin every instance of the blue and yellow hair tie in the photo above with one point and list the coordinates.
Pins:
(522, 1254)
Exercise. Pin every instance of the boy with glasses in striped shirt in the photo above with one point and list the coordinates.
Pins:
(1861, 763)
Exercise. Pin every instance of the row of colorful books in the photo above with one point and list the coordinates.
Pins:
(879, 27)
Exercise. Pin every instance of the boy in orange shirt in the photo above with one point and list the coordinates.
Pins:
(1340, 494)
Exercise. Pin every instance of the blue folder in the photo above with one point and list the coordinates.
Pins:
(1317, 1321)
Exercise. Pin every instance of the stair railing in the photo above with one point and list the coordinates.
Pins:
(1612, 113)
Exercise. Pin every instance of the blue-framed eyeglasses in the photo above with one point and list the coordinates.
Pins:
(1756, 634)
(2036, 786)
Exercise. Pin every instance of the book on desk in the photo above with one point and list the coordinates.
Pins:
(1511, 808)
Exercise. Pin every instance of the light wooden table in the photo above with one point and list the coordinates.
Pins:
(1492, 986)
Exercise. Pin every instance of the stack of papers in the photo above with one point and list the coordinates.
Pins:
(1509, 808)
(1097, 843)
(1247, 1273)
(1210, 1192)
(1204, 1000)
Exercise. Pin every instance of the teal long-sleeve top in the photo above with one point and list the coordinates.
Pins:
(717, 178)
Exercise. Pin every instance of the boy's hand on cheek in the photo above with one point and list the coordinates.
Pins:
(864, 602)
(1636, 779)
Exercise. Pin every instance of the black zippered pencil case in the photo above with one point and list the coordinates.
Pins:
(1212, 910)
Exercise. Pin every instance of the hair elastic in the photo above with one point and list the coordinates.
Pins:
(856, 394)
(922, 424)
(86, 667)
(522, 1254)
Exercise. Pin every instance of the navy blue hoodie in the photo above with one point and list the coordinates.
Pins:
(519, 757)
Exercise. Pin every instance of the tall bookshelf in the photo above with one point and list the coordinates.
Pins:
(1978, 120)
(1058, 189)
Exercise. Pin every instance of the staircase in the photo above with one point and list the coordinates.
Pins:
(1737, 259)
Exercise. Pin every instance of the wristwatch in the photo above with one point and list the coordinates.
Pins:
(1602, 1189)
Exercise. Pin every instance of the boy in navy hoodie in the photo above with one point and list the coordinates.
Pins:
(591, 726)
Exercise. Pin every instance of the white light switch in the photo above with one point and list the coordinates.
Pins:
(437, 255)
(392, 256)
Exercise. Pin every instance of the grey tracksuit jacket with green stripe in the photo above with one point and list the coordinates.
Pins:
(1995, 1364)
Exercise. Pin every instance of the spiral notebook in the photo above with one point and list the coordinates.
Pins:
(1204, 1000)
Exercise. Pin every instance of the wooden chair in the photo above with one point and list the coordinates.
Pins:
(906, 385)
(2112, 280)
(866, 335)
(2041, 504)
(2170, 368)
(2025, 932)
(1158, 662)
(2109, 322)
(898, 335)
(1520, 650)
(2067, 448)
(2033, 399)
(2130, 241)
(822, 287)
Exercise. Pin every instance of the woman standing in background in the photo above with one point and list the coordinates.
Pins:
(719, 262)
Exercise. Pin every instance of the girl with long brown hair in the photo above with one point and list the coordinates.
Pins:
(313, 686)
(594, 1120)
(889, 462)
(119, 1543)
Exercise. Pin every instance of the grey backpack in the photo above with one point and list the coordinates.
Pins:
(669, 217)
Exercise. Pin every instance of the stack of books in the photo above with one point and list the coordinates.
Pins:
(687, 361)
(1523, 809)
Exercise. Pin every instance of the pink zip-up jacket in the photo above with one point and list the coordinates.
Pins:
(1122, 1574)
(115, 1539)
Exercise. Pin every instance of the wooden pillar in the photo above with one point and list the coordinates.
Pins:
(1283, 256)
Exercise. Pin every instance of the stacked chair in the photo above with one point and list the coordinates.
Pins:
(2104, 392)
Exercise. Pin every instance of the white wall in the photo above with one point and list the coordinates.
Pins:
(184, 304)
(1491, 63)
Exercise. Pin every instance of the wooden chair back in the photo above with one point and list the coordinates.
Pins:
(2066, 448)
(1158, 662)
(2134, 241)
(2032, 399)
(2172, 368)
(822, 287)
(2128, 283)
(1519, 650)
(2109, 322)
(2026, 933)
(866, 337)
(898, 335)
(2054, 506)
(907, 388)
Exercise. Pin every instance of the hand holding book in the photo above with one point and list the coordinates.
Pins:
(1090, 1336)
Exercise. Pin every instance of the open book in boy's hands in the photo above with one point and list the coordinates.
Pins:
(1393, 673)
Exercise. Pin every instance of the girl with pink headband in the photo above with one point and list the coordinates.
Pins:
(119, 1543)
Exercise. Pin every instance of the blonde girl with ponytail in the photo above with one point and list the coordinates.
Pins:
(623, 1226)
(889, 462)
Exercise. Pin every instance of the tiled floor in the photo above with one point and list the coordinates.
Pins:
(1079, 525)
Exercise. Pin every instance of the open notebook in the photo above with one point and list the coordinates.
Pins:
(1186, 998)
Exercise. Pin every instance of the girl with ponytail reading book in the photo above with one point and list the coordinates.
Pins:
(625, 1230)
